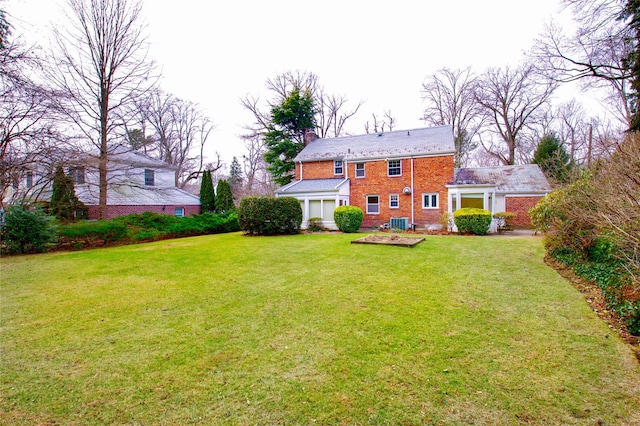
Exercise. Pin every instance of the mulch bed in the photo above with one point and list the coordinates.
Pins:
(392, 240)
(594, 297)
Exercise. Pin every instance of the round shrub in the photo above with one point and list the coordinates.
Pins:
(26, 231)
(471, 220)
(348, 218)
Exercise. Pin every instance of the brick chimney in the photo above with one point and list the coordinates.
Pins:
(309, 136)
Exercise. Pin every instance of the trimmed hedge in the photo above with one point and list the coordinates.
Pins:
(146, 226)
(269, 215)
(471, 220)
(348, 218)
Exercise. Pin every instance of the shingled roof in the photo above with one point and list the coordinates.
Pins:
(526, 178)
(312, 185)
(404, 143)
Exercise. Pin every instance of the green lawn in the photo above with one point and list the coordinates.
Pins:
(230, 329)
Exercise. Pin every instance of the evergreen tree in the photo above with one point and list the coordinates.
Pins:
(64, 204)
(553, 159)
(207, 196)
(285, 134)
(235, 178)
(224, 197)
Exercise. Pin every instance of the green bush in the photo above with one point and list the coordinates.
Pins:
(609, 274)
(26, 231)
(315, 224)
(471, 220)
(348, 218)
(88, 234)
(270, 216)
(147, 226)
(504, 220)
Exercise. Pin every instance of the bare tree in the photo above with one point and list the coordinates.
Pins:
(595, 54)
(331, 115)
(186, 150)
(449, 95)
(174, 131)
(386, 123)
(101, 66)
(512, 102)
(29, 139)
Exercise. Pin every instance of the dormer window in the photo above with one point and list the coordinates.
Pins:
(149, 178)
(337, 167)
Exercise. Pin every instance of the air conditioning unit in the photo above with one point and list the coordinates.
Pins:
(400, 223)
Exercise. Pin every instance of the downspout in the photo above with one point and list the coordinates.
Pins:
(300, 170)
(412, 196)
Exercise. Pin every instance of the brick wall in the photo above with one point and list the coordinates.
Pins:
(115, 211)
(430, 175)
(318, 170)
(520, 206)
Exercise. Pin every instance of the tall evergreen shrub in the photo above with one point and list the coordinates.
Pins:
(64, 204)
(224, 197)
(207, 196)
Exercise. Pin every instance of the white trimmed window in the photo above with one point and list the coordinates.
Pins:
(29, 179)
(430, 200)
(359, 170)
(373, 204)
(394, 168)
(394, 201)
(77, 174)
(179, 211)
(149, 178)
(337, 167)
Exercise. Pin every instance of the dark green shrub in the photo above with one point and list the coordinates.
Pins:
(26, 231)
(224, 197)
(348, 218)
(90, 234)
(251, 214)
(270, 216)
(287, 215)
(207, 194)
(471, 220)
(64, 204)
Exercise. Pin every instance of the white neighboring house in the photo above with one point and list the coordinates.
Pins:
(136, 183)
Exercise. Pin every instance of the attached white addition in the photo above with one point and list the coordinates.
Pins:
(318, 198)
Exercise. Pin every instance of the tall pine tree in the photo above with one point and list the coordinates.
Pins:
(553, 159)
(235, 174)
(285, 134)
(64, 204)
(207, 196)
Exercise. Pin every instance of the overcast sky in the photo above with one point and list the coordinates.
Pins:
(215, 52)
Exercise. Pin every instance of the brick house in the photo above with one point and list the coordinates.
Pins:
(404, 179)
(136, 184)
